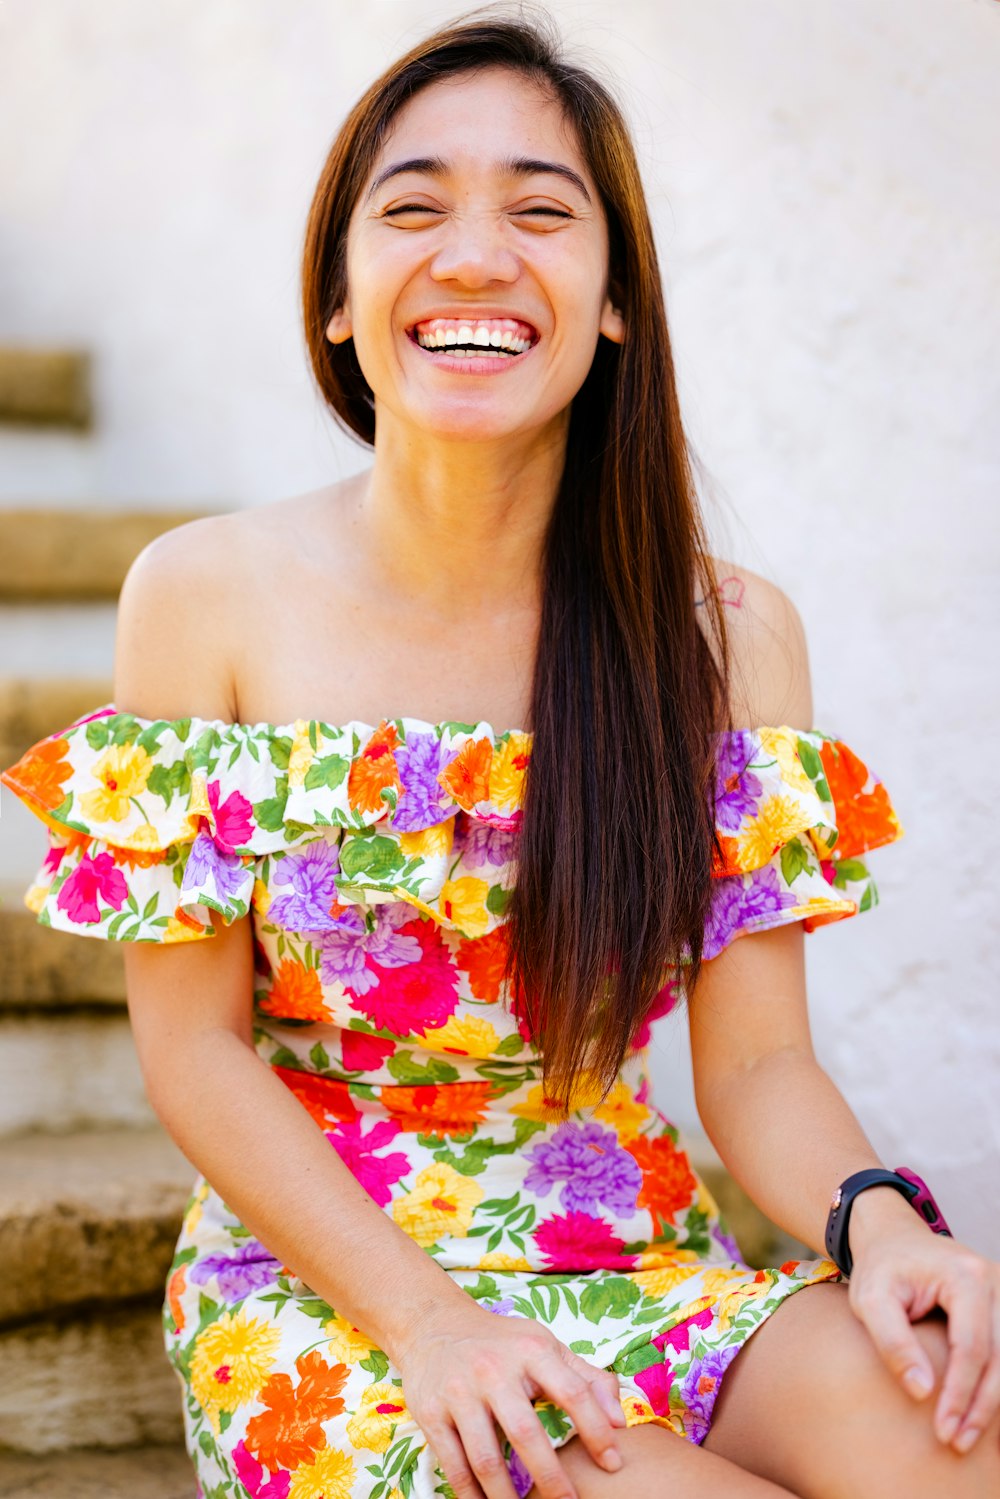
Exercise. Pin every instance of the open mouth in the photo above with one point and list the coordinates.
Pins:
(499, 339)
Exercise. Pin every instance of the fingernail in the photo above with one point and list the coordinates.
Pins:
(611, 1459)
(948, 1428)
(918, 1382)
(965, 1441)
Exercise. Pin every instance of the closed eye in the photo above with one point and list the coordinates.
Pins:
(423, 208)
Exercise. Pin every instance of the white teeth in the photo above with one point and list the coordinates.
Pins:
(465, 334)
(505, 339)
(450, 336)
(495, 338)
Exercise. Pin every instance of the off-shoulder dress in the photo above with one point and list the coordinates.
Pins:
(375, 864)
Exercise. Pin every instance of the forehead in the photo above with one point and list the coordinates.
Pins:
(476, 118)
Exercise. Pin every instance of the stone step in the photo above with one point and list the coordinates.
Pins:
(32, 707)
(52, 972)
(45, 387)
(76, 1071)
(80, 552)
(87, 1219)
(88, 1473)
(100, 1381)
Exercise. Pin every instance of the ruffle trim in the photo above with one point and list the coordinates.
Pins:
(155, 823)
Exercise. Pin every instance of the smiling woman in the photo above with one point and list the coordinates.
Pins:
(392, 978)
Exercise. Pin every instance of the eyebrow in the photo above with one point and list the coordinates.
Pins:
(508, 166)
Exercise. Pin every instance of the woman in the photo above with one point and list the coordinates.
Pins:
(504, 1276)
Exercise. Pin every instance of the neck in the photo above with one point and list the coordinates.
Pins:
(456, 524)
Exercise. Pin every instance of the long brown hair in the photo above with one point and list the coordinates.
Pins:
(615, 851)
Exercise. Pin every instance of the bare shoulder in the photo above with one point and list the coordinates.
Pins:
(176, 619)
(771, 682)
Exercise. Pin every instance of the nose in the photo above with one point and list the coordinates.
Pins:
(474, 252)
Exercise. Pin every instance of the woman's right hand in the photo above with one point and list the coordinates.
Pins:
(465, 1369)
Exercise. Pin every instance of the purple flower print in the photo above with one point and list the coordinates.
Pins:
(736, 904)
(519, 1475)
(249, 1269)
(227, 870)
(422, 802)
(312, 875)
(503, 1308)
(345, 948)
(737, 790)
(594, 1169)
(729, 1244)
(700, 1388)
(486, 845)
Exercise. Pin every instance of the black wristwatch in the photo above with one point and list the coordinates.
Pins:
(913, 1188)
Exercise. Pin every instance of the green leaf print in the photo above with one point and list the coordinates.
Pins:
(485, 1286)
(612, 1297)
(497, 901)
(331, 771)
(510, 1045)
(794, 860)
(318, 1057)
(642, 1358)
(372, 855)
(270, 813)
(405, 1070)
(848, 869)
(376, 1364)
(581, 1345)
(553, 1418)
(167, 782)
(812, 764)
(869, 898)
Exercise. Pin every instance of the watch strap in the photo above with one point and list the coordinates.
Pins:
(839, 1218)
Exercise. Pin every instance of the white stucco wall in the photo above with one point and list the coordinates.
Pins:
(823, 182)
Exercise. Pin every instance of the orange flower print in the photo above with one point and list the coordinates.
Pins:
(175, 1290)
(374, 770)
(327, 1099)
(482, 958)
(730, 861)
(865, 819)
(668, 1183)
(291, 1431)
(296, 993)
(467, 777)
(39, 775)
(452, 1109)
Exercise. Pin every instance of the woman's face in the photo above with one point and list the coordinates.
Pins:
(484, 236)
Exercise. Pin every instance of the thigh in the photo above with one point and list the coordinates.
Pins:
(809, 1404)
(659, 1464)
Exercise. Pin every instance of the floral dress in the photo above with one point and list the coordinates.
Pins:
(375, 865)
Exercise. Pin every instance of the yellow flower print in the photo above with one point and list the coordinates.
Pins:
(783, 747)
(331, 1476)
(193, 1215)
(442, 1202)
(232, 1359)
(730, 1305)
(467, 1034)
(538, 1106)
(462, 903)
(301, 755)
(507, 772)
(261, 898)
(639, 1412)
(430, 842)
(496, 1259)
(778, 820)
(179, 931)
(660, 1280)
(720, 1279)
(382, 1408)
(347, 1344)
(123, 770)
(146, 835)
(705, 1202)
(623, 1112)
(199, 804)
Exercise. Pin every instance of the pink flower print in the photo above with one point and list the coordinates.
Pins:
(655, 1383)
(251, 1476)
(94, 876)
(357, 1151)
(579, 1242)
(363, 1053)
(828, 870)
(347, 950)
(679, 1337)
(663, 1003)
(234, 823)
(418, 996)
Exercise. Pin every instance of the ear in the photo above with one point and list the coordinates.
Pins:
(338, 329)
(612, 323)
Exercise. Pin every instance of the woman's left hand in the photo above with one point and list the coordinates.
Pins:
(900, 1272)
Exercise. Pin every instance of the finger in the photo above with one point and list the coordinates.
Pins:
(898, 1345)
(530, 1441)
(578, 1396)
(986, 1401)
(604, 1383)
(482, 1451)
(449, 1451)
(969, 1304)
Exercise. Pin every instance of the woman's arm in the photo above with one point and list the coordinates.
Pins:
(784, 1130)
